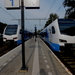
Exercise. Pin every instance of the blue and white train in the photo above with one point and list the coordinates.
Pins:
(59, 33)
(12, 35)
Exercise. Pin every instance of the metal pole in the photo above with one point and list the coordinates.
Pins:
(39, 22)
(19, 22)
(22, 26)
(35, 33)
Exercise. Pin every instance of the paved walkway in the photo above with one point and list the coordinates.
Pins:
(39, 60)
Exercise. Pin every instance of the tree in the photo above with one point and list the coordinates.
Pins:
(52, 17)
(70, 12)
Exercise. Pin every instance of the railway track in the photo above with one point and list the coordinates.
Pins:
(5, 49)
(68, 59)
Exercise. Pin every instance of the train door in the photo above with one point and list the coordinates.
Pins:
(50, 34)
(53, 35)
(47, 35)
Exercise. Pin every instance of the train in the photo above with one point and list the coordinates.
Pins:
(60, 34)
(12, 34)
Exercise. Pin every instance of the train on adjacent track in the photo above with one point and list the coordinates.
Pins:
(59, 34)
(12, 34)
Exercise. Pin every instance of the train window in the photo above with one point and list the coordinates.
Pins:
(67, 26)
(20, 31)
(44, 33)
(53, 30)
(11, 29)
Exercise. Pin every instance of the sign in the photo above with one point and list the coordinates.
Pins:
(12, 4)
(15, 4)
(32, 4)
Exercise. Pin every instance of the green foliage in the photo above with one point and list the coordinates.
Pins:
(52, 17)
(70, 12)
(2, 26)
(39, 31)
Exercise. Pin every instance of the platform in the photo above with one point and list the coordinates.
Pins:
(39, 59)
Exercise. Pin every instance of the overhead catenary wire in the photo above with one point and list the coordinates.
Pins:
(7, 13)
(50, 8)
(29, 24)
(58, 8)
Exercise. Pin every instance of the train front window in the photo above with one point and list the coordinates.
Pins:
(67, 26)
(11, 30)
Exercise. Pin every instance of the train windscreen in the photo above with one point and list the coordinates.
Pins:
(67, 26)
(11, 30)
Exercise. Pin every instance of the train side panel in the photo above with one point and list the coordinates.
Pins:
(19, 41)
(53, 35)
(12, 35)
(59, 34)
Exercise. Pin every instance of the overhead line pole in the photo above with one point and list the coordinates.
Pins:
(33, 19)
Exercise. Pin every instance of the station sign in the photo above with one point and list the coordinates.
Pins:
(12, 4)
(32, 4)
(16, 4)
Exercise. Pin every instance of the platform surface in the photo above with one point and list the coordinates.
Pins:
(38, 58)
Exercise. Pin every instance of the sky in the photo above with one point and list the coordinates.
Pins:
(46, 8)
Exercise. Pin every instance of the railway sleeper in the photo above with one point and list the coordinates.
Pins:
(71, 63)
(2, 49)
(69, 59)
(66, 57)
(72, 66)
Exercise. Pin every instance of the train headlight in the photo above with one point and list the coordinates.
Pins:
(61, 40)
(4, 38)
(15, 38)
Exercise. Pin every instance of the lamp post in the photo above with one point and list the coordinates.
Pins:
(23, 68)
